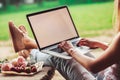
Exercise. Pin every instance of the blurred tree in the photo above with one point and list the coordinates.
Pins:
(39, 2)
(80, 1)
(50, 0)
(15, 2)
(4, 3)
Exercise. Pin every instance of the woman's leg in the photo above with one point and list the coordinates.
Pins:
(20, 38)
(71, 69)
(37, 56)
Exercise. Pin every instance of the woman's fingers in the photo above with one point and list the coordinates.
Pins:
(83, 42)
(65, 45)
(61, 45)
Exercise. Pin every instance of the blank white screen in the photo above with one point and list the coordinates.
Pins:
(52, 27)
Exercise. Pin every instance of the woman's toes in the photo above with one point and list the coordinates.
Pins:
(11, 24)
(23, 29)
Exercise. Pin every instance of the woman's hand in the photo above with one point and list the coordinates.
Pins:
(90, 43)
(66, 46)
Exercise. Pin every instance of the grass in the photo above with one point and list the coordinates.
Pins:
(90, 19)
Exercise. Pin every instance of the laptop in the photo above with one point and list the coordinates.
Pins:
(52, 26)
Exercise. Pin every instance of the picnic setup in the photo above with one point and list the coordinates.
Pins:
(18, 68)
(59, 40)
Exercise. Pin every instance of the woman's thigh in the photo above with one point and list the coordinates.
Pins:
(71, 69)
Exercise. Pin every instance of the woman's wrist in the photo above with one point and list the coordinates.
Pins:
(97, 44)
(71, 51)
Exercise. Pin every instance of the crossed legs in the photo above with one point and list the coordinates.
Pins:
(70, 69)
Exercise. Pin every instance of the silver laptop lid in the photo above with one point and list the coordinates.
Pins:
(52, 26)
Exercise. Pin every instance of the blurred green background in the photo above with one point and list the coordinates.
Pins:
(91, 17)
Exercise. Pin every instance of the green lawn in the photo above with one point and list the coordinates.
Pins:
(90, 19)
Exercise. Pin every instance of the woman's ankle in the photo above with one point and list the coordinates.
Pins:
(29, 43)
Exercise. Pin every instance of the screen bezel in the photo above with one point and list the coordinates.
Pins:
(49, 10)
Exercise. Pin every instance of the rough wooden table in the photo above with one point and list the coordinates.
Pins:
(46, 74)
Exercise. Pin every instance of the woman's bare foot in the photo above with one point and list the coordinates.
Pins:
(24, 53)
(23, 29)
(28, 42)
(17, 37)
(20, 38)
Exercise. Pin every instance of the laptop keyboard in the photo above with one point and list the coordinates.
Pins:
(74, 43)
(59, 50)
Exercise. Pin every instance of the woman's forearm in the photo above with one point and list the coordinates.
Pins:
(93, 64)
(102, 45)
(82, 59)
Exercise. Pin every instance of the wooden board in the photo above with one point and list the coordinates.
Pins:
(39, 66)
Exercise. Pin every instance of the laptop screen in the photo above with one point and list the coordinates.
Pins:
(52, 26)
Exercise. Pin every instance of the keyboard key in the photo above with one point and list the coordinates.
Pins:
(59, 50)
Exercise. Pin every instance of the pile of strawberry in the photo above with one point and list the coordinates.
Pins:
(18, 65)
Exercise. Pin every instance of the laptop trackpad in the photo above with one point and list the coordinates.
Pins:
(57, 54)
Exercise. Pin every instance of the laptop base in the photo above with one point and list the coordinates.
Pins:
(57, 54)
